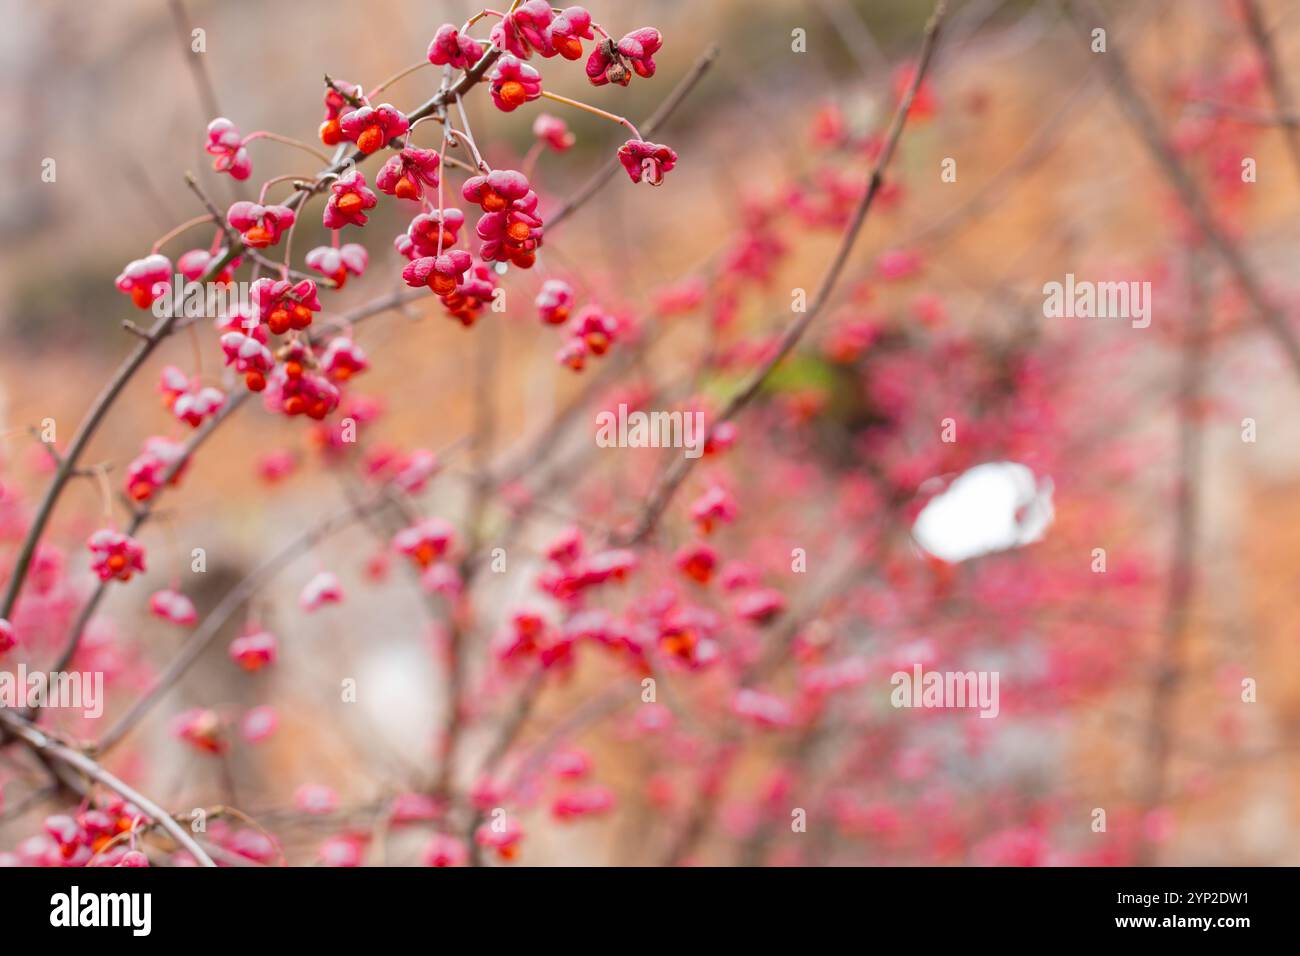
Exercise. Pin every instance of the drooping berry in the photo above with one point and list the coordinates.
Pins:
(115, 555)
(338, 263)
(259, 225)
(646, 160)
(407, 173)
(372, 128)
(350, 197)
(225, 143)
(514, 83)
(144, 280)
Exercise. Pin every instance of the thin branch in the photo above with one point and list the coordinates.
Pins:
(233, 600)
(676, 474)
(650, 127)
(1144, 123)
(1277, 86)
(45, 744)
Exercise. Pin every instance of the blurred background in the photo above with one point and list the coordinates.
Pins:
(1121, 690)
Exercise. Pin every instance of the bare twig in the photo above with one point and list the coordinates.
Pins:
(676, 474)
(648, 128)
(1277, 85)
(43, 743)
(1144, 123)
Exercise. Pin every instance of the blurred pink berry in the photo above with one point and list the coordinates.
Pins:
(589, 801)
(315, 799)
(144, 474)
(760, 606)
(711, 508)
(253, 650)
(258, 724)
(425, 542)
(342, 850)
(7, 640)
(765, 710)
(502, 835)
(172, 606)
(343, 359)
(337, 264)
(554, 301)
(697, 562)
(322, 589)
(553, 131)
(595, 328)
(201, 729)
(444, 850)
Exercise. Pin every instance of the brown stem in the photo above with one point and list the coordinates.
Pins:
(1169, 664)
(1144, 123)
(1277, 85)
(676, 474)
(651, 126)
(43, 743)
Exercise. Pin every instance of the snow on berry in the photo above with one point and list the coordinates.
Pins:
(258, 724)
(254, 649)
(159, 457)
(201, 729)
(322, 589)
(172, 606)
(145, 280)
(225, 143)
(554, 301)
(115, 555)
(554, 132)
(424, 542)
(338, 263)
(343, 359)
